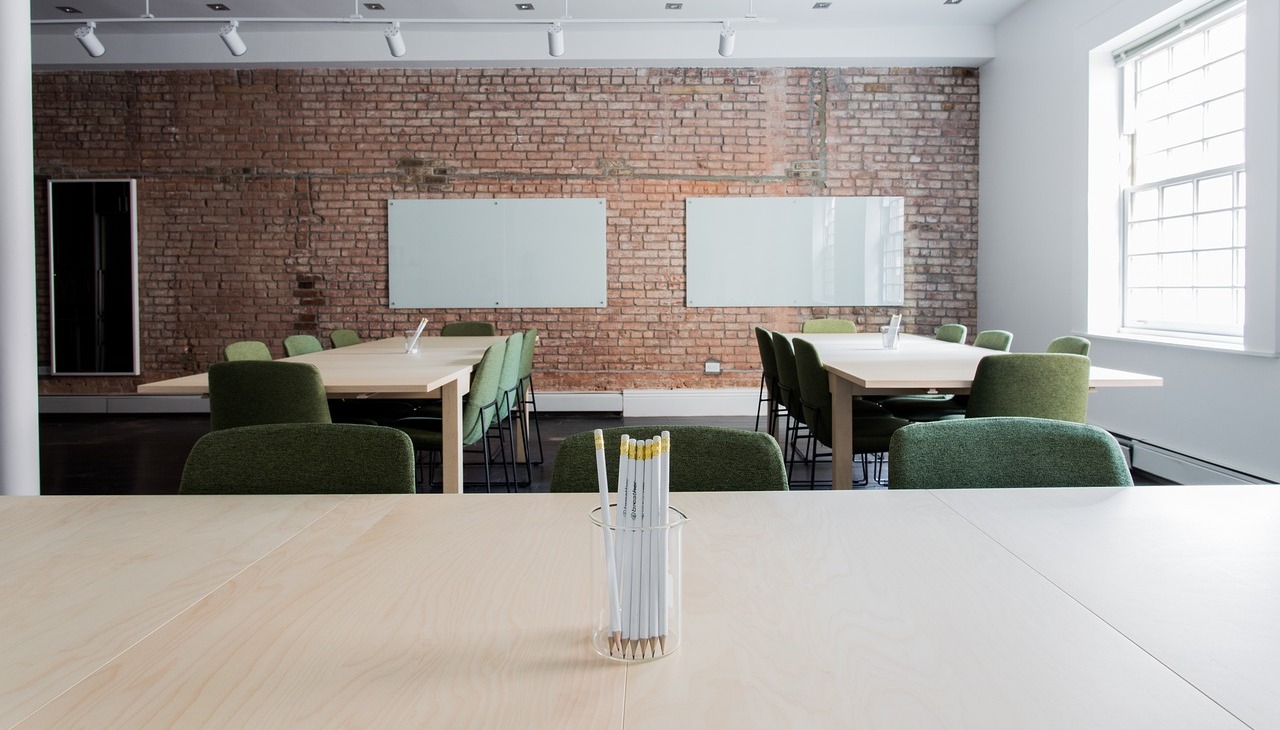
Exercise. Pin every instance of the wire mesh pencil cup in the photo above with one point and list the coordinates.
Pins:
(641, 620)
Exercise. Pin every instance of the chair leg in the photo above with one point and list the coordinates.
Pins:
(764, 396)
(529, 406)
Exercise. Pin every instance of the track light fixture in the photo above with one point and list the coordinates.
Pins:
(395, 41)
(727, 36)
(91, 44)
(555, 40)
(231, 36)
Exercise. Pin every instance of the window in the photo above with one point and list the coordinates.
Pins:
(1183, 248)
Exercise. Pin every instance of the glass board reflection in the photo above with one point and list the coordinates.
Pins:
(786, 252)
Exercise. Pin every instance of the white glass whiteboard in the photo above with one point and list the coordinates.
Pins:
(506, 252)
(788, 252)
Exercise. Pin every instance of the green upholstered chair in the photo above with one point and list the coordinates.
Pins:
(251, 392)
(703, 459)
(1069, 344)
(930, 407)
(247, 350)
(769, 404)
(468, 329)
(509, 402)
(528, 410)
(872, 424)
(300, 458)
(344, 338)
(479, 413)
(994, 340)
(1035, 385)
(301, 345)
(951, 333)
(829, 325)
(794, 428)
(1004, 452)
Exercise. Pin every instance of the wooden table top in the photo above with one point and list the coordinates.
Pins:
(923, 363)
(380, 368)
(1047, 608)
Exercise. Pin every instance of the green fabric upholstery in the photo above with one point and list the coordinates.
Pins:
(301, 345)
(1004, 452)
(951, 333)
(788, 379)
(247, 350)
(873, 425)
(344, 338)
(994, 340)
(1035, 385)
(478, 410)
(251, 392)
(1069, 344)
(300, 458)
(509, 376)
(703, 459)
(829, 325)
(468, 329)
(768, 377)
(528, 344)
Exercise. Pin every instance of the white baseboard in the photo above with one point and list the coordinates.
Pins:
(690, 402)
(1183, 469)
(579, 402)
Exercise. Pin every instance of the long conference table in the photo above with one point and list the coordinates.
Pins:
(859, 364)
(1127, 607)
(382, 369)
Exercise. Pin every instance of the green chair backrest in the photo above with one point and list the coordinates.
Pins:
(344, 338)
(951, 333)
(815, 390)
(301, 345)
(703, 459)
(1035, 385)
(251, 392)
(768, 361)
(247, 350)
(1069, 344)
(509, 376)
(480, 408)
(842, 326)
(468, 329)
(300, 458)
(994, 340)
(526, 353)
(1004, 452)
(788, 378)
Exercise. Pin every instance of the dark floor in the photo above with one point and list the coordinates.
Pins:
(144, 454)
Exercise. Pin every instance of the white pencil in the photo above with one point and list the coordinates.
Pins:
(611, 567)
(664, 503)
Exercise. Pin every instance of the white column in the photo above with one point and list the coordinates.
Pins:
(19, 402)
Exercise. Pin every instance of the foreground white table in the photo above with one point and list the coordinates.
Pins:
(382, 369)
(860, 365)
(984, 609)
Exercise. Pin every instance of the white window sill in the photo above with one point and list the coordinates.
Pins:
(1183, 343)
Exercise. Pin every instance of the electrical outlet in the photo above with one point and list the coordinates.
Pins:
(711, 367)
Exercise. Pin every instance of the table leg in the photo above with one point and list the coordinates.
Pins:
(841, 432)
(451, 454)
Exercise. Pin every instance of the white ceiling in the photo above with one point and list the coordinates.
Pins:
(596, 32)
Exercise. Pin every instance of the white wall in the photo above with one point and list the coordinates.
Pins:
(1033, 231)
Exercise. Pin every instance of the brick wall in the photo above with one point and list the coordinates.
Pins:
(262, 195)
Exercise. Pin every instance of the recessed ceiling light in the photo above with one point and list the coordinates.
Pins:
(524, 6)
(67, 9)
(221, 8)
(373, 6)
(821, 6)
(675, 6)
(950, 2)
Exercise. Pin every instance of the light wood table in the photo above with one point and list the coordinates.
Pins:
(860, 365)
(382, 369)
(880, 609)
